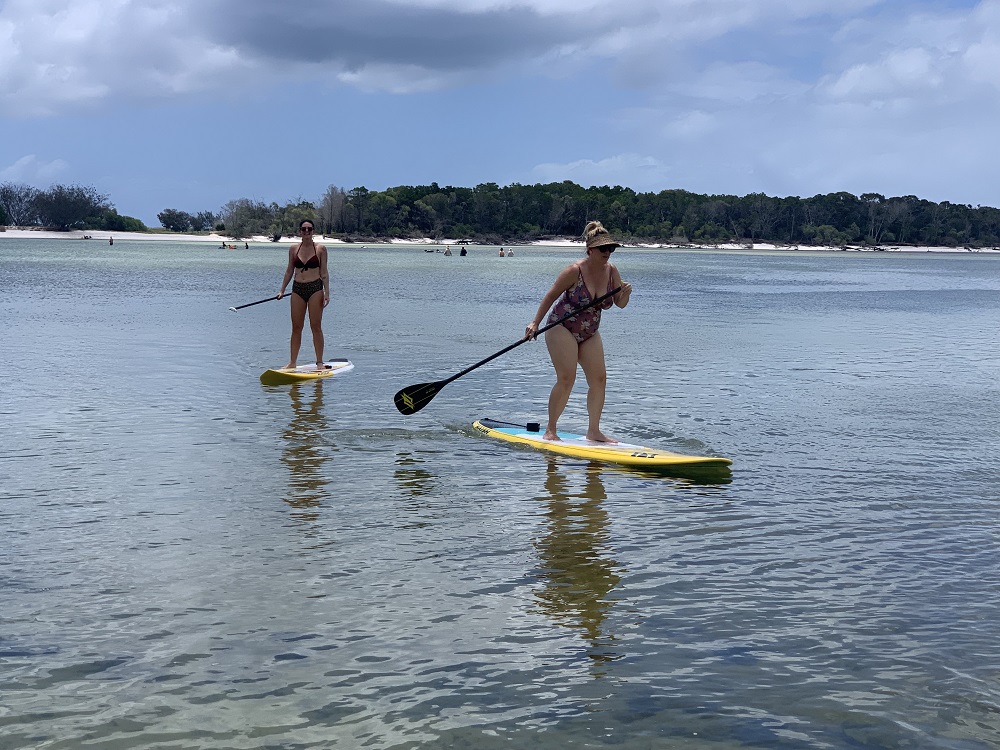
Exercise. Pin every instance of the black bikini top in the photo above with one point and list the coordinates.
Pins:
(313, 262)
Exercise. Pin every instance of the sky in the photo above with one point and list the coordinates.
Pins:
(188, 104)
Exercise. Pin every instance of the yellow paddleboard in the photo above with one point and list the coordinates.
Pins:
(303, 373)
(623, 454)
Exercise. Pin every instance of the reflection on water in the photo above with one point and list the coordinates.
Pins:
(413, 479)
(306, 450)
(417, 486)
(576, 568)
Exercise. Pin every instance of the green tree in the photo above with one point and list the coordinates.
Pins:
(761, 214)
(18, 203)
(202, 221)
(174, 220)
(382, 209)
(295, 213)
(358, 200)
(331, 209)
(489, 207)
(110, 220)
(244, 217)
(69, 206)
(423, 217)
(711, 232)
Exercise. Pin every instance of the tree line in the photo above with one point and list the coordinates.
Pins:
(62, 207)
(523, 213)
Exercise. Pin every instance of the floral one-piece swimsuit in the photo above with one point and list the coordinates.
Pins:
(585, 324)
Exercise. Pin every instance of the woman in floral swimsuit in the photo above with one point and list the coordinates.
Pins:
(310, 290)
(577, 340)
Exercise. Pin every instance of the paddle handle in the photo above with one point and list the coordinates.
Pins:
(516, 344)
(251, 304)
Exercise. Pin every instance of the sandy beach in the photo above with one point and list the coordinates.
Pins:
(218, 240)
(101, 236)
(210, 238)
(771, 246)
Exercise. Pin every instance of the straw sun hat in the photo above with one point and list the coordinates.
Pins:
(597, 236)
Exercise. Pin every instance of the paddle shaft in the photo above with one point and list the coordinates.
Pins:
(251, 304)
(543, 329)
(412, 399)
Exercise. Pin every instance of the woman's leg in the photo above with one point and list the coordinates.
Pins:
(316, 323)
(563, 350)
(592, 362)
(298, 320)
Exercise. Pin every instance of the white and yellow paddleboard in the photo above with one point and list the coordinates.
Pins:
(303, 373)
(623, 454)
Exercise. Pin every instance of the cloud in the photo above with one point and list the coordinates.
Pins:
(96, 50)
(29, 170)
(708, 95)
(899, 73)
(641, 173)
(58, 56)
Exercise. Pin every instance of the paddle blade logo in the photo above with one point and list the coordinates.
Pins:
(406, 403)
(416, 397)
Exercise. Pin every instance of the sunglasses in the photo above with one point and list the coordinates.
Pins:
(305, 229)
(606, 249)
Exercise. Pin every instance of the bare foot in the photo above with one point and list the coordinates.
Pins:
(289, 366)
(550, 435)
(599, 437)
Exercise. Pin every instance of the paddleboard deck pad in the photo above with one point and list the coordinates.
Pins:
(303, 373)
(623, 454)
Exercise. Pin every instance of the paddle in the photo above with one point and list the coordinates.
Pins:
(258, 302)
(412, 399)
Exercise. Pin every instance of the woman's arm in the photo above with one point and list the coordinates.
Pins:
(323, 273)
(621, 299)
(564, 281)
(289, 269)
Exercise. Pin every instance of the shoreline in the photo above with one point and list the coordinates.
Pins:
(219, 240)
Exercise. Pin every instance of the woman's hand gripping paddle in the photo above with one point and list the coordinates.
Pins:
(413, 398)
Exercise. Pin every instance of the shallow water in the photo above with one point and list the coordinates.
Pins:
(189, 559)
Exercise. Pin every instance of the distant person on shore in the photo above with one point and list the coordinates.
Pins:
(577, 341)
(111, 240)
(310, 290)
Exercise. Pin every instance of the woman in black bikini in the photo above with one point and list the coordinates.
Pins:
(310, 291)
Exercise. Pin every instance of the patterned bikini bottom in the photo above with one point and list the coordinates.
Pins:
(306, 289)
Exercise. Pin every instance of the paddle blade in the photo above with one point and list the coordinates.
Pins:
(413, 398)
